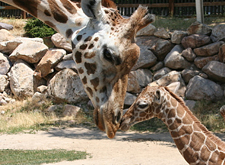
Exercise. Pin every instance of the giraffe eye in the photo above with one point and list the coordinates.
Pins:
(107, 55)
(142, 105)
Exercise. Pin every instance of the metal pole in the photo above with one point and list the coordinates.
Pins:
(199, 10)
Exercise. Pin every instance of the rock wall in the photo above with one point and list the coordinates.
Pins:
(193, 59)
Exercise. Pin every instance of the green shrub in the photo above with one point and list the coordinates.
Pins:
(36, 28)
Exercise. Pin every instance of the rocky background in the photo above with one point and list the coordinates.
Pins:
(41, 68)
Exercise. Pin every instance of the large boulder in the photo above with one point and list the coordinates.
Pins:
(222, 53)
(66, 64)
(158, 74)
(60, 42)
(5, 64)
(129, 99)
(208, 50)
(188, 54)
(195, 41)
(170, 78)
(189, 73)
(5, 35)
(215, 70)
(174, 59)
(177, 36)
(147, 31)
(199, 88)
(200, 62)
(30, 52)
(199, 28)
(50, 60)
(162, 33)
(66, 86)
(6, 26)
(22, 81)
(218, 33)
(4, 82)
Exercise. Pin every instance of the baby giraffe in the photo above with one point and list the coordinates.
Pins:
(196, 144)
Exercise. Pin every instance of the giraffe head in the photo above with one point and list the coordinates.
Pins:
(105, 51)
(147, 105)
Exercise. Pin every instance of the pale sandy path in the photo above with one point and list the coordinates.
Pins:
(126, 149)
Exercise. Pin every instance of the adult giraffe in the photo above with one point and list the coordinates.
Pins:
(103, 45)
(196, 144)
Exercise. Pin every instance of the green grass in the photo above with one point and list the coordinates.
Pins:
(206, 111)
(174, 23)
(26, 157)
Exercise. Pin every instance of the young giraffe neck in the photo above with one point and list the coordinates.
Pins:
(194, 141)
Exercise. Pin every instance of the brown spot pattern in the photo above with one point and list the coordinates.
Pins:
(84, 80)
(69, 7)
(47, 13)
(95, 83)
(79, 37)
(57, 12)
(69, 33)
(96, 39)
(78, 57)
(90, 91)
(29, 6)
(73, 45)
(80, 71)
(89, 55)
(91, 46)
(88, 39)
(83, 47)
(190, 156)
(91, 68)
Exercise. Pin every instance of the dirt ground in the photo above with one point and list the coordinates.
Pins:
(127, 148)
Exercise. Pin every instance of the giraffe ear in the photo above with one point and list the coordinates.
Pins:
(157, 96)
(92, 8)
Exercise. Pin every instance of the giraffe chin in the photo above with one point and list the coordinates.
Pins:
(111, 129)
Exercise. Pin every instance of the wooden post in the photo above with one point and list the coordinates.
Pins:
(199, 10)
(171, 7)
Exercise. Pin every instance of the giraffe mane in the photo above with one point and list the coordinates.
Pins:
(195, 119)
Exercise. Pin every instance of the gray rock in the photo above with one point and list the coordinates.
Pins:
(69, 64)
(162, 33)
(9, 46)
(4, 82)
(215, 70)
(200, 62)
(146, 60)
(177, 36)
(195, 40)
(199, 88)
(143, 76)
(170, 78)
(133, 84)
(129, 99)
(5, 35)
(6, 26)
(22, 81)
(174, 60)
(42, 89)
(218, 33)
(147, 31)
(208, 50)
(157, 66)
(190, 104)
(38, 98)
(71, 110)
(189, 73)
(60, 42)
(66, 86)
(161, 73)
(188, 54)
(48, 62)
(31, 52)
(5, 64)
(222, 53)
(199, 28)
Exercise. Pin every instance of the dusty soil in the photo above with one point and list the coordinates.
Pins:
(127, 148)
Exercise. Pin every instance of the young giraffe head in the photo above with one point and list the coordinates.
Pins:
(105, 51)
(150, 103)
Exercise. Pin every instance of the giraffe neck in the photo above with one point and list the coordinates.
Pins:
(64, 16)
(196, 144)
